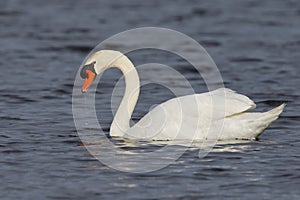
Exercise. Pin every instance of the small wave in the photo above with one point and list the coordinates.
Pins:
(11, 118)
(10, 13)
(244, 59)
(210, 43)
(13, 98)
(12, 151)
(274, 102)
(73, 48)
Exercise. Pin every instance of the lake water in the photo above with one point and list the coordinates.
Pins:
(255, 45)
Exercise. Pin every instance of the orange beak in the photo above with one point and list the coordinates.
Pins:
(88, 81)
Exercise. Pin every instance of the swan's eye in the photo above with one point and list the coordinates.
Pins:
(90, 67)
(83, 74)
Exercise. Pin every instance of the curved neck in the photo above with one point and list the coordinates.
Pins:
(121, 121)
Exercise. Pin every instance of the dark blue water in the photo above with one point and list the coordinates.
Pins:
(256, 45)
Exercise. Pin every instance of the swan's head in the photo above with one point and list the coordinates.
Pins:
(92, 67)
(96, 64)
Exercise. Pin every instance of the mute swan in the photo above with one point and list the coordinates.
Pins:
(187, 117)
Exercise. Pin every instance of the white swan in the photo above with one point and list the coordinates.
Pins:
(187, 117)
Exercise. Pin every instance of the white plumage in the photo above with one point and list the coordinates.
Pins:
(223, 113)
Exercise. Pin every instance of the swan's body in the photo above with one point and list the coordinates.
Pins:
(187, 117)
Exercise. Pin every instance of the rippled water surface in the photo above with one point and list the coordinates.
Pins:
(256, 45)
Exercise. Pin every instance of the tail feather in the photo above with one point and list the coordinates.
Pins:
(249, 125)
(267, 118)
(278, 110)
